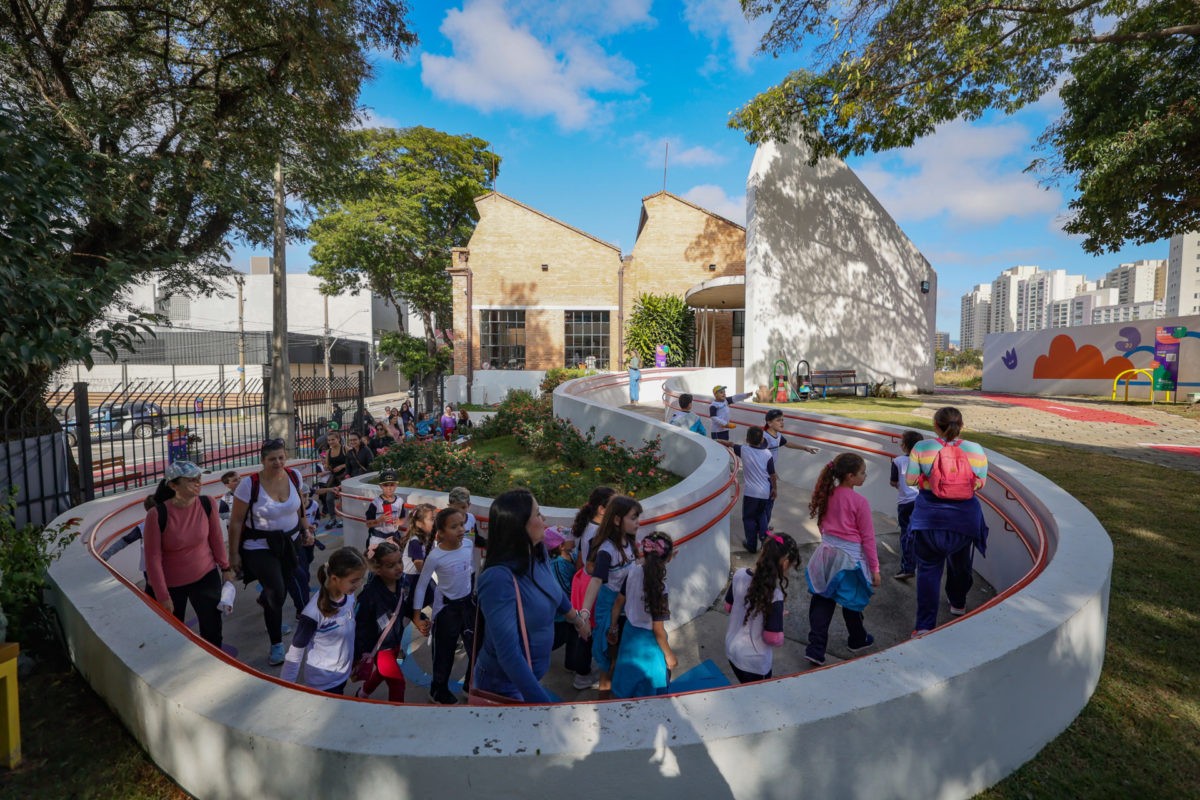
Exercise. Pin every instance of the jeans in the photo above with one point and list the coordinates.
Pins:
(455, 620)
(204, 595)
(820, 615)
(722, 435)
(269, 572)
(755, 517)
(935, 549)
(908, 556)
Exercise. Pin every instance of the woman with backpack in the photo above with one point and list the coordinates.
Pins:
(265, 526)
(947, 521)
(185, 552)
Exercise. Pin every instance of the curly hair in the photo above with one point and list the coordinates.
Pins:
(768, 574)
(831, 475)
(443, 518)
(420, 513)
(595, 502)
(657, 549)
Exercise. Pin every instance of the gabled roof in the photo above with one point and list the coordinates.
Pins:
(571, 228)
(644, 217)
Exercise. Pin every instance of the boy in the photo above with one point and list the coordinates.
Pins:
(230, 480)
(773, 434)
(906, 498)
(684, 418)
(386, 512)
(718, 412)
(759, 484)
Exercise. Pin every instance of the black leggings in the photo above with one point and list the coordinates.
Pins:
(204, 595)
(269, 572)
(455, 620)
(748, 677)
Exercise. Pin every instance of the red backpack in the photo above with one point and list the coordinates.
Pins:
(951, 477)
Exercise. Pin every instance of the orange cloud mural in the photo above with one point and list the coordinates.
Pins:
(1064, 361)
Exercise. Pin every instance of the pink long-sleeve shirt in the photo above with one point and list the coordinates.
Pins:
(848, 516)
(192, 547)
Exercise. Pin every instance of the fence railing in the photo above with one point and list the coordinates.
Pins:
(73, 443)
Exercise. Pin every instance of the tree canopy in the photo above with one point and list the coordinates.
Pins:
(157, 126)
(888, 73)
(661, 319)
(413, 199)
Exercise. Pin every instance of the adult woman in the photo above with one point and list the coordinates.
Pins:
(406, 415)
(635, 378)
(448, 423)
(946, 530)
(358, 455)
(515, 550)
(185, 551)
(267, 515)
(338, 467)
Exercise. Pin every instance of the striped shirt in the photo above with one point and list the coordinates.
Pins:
(920, 460)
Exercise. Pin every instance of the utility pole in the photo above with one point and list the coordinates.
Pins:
(280, 415)
(241, 284)
(328, 367)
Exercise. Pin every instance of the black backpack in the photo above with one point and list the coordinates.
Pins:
(205, 503)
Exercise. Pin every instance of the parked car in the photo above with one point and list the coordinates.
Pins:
(141, 418)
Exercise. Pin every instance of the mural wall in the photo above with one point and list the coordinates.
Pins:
(1086, 360)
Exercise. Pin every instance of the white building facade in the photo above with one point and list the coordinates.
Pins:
(975, 322)
(1183, 275)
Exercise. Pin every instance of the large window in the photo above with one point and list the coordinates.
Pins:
(585, 339)
(502, 339)
(739, 338)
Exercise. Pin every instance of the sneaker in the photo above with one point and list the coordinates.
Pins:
(957, 612)
(275, 658)
(442, 696)
(870, 641)
(820, 662)
(918, 634)
(285, 629)
(589, 681)
(903, 576)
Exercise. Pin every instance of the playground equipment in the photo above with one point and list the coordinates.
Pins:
(1128, 376)
(783, 392)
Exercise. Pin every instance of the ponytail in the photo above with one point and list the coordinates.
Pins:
(163, 492)
(949, 421)
(657, 549)
(342, 562)
(831, 475)
(596, 501)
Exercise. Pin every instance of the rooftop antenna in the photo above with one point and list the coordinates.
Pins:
(666, 153)
(493, 170)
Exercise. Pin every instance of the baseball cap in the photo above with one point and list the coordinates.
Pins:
(181, 469)
(718, 388)
(388, 476)
(554, 538)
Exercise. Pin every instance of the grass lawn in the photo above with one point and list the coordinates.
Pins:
(1138, 737)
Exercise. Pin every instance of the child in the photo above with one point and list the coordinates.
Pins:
(645, 660)
(386, 511)
(583, 530)
(718, 413)
(773, 434)
(229, 480)
(380, 600)
(844, 569)
(134, 535)
(610, 555)
(562, 564)
(453, 604)
(460, 498)
(755, 604)
(414, 547)
(685, 418)
(906, 498)
(324, 639)
(759, 486)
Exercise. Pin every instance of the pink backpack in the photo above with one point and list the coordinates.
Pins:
(951, 477)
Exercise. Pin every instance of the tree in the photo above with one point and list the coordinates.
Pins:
(893, 71)
(661, 319)
(412, 357)
(157, 126)
(413, 199)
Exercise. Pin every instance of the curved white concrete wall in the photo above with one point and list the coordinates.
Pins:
(939, 717)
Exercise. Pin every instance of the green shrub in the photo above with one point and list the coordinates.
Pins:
(559, 375)
(25, 554)
(518, 406)
(437, 465)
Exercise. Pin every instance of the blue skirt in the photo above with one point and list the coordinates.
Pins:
(849, 588)
(641, 669)
(603, 617)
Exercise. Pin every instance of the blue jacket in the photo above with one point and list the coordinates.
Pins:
(501, 665)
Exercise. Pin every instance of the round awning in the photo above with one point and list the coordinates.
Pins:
(727, 293)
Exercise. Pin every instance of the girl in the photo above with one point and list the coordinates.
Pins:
(460, 498)
(755, 605)
(386, 511)
(453, 606)
(324, 639)
(415, 546)
(610, 555)
(587, 521)
(645, 660)
(380, 599)
(844, 569)
(945, 532)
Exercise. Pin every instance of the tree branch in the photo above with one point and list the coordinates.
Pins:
(1140, 36)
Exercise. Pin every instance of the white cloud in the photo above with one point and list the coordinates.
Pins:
(679, 154)
(598, 18)
(713, 198)
(964, 171)
(724, 25)
(370, 118)
(499, 63)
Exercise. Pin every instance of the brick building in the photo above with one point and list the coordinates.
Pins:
(532, 293)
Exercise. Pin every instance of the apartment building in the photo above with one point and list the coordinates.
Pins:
(1006, 293)
(1183, 276)
(975, 318)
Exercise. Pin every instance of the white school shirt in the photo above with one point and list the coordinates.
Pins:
(453, 569)
(635, 599)
(330, 654)
(617, 570)
(904, 492)
(758, 465)
(268, 514)
(744, 645)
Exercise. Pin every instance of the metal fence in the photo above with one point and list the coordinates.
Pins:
(72, 444)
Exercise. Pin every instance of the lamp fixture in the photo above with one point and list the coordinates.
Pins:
(924, 287)
(546, 268)
(712, 267)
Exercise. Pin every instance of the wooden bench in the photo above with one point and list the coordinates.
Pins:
(112, 471)
(838, 379)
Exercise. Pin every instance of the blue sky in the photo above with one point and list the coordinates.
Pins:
(579, 98)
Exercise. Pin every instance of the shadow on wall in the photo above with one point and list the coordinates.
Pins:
(721, 244)
(534, 337)
(843, 281)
